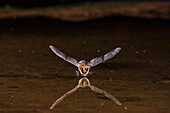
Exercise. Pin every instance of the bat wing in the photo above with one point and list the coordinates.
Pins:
(64, 96)
(63, 56)
(109, 55)
(105, 94)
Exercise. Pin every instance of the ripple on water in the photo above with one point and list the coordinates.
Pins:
(130, 99)
(13, 87)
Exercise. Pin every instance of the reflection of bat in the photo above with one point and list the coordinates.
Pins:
(84, 66)
(84, 82)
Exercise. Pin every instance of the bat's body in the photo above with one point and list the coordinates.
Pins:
(84, 82)
(84, 66)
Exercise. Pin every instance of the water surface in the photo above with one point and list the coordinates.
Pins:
(32, 77)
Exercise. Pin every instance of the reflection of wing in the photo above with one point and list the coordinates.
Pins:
(63, 56)
(105, 93)
(98, 60)
(64, 96)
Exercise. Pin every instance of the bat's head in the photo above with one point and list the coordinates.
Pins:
(84, 68)
(83, 82)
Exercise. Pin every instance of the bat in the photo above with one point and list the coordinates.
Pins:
(84, 66)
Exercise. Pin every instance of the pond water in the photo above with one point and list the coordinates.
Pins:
(32, 77)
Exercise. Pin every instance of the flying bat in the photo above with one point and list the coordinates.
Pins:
(84, 66)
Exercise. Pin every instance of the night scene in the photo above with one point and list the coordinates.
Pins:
(84, 56)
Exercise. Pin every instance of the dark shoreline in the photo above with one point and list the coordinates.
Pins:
(79, 14)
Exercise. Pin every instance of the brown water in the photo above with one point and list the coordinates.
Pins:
(32, 77)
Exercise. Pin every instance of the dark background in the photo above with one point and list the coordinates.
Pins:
(46, 3)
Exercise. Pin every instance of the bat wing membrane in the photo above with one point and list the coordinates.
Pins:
(63, 56)
(109, 55)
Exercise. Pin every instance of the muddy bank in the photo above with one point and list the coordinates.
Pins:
(78, 13)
